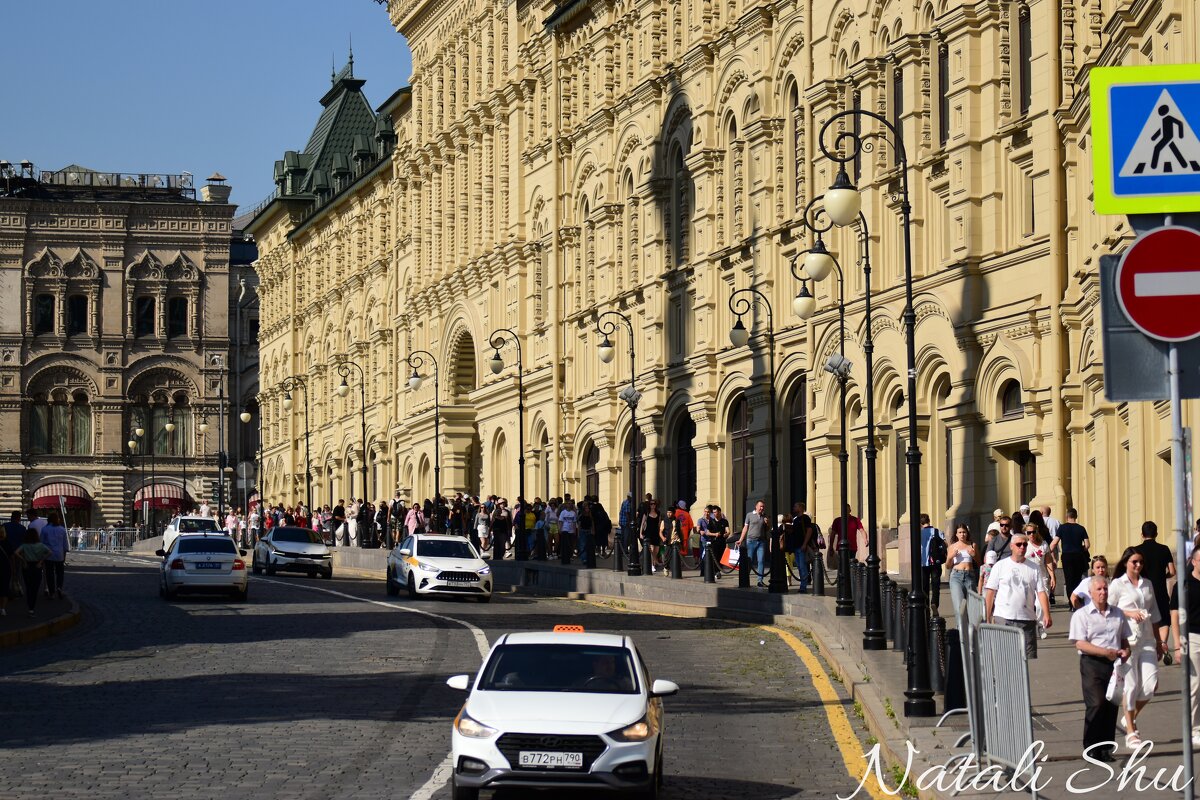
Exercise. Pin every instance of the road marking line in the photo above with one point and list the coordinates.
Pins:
(1166, 284)
(843, 732)
(444, 769)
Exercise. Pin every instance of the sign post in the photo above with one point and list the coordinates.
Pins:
(1158, 288)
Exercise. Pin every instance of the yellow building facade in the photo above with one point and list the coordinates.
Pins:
(552, 162)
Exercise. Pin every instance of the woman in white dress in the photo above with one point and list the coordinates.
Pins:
(1134, 596)
(1038, 552)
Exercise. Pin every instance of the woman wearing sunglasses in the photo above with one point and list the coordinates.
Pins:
(1134, 596)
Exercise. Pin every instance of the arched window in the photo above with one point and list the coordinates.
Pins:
(1010, 401)
(143, 316)
(591, 470)
(177, 314)
(77, 312)
(1024, 60)
(685, 461)
(796, 149)
(43, 314)
(798, 446)
(61, 424)
(741, 457)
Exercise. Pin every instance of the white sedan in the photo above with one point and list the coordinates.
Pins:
(290, 548)
(435, 564)
(203, 563)
(567, 709)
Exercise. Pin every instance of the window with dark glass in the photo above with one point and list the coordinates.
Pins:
(253, 330)
(1010, 401)
(685, 461)
(143, 316)
(591, 462)
(897, 102)
(177, 311)
(77, 309)
(43, 314)
(798, 448)
(60, 425)
(1027, 475)
(742, 457)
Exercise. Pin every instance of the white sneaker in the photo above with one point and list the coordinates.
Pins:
(1195, 739)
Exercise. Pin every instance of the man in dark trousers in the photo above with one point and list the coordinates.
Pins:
(601, 525)
(1073, 547)
(338, 522)
(1157, 567)
(1101, 635)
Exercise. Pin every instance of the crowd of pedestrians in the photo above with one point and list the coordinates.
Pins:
(31, 550)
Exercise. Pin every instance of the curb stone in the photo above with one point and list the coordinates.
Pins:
(42, 629)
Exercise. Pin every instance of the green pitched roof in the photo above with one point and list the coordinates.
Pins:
(346, 114)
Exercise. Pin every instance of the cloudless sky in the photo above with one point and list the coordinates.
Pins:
(172, 86)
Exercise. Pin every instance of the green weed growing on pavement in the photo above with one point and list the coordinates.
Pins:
(871, 741)
(887, 709)
(904, 786)
(858, 710)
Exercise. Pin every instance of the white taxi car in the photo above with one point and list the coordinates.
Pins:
(564, 710)
(188, 524)
(437, 564)
(197, 562)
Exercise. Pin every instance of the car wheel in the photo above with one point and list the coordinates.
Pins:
(485, 598)
(393, 589)
(327, 574)
(463, 792)
(254, 565)
(412, 587)
(242, 595)
(270, 568)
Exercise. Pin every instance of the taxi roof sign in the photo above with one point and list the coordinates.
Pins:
(1146, 139)
(568, 629)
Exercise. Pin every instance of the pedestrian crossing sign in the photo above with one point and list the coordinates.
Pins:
(1145, 142)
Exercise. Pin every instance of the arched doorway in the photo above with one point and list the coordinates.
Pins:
(501, 468)
(741, 457)
(685, 461)
(798, 446)
(461, 430)
(622, 459)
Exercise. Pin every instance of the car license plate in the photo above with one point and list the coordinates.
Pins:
(541, 758)
(208, 565)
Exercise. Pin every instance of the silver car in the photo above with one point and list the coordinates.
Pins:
(204, 563)
(292, 549)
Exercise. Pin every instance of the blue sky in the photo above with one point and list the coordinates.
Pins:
(170, 86)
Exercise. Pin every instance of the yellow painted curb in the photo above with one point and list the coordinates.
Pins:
(47, 628)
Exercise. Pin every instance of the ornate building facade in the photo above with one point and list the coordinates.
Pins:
(556, 161)
(119, 321)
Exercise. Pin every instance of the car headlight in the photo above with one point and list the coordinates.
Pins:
(428, 567)
(484, 570)
(472, 728)
(639, 731)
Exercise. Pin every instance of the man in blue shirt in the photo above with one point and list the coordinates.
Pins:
(933, 559)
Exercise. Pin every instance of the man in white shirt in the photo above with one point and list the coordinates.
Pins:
(1051, 523)
(995, 526)
(1101, 635)
(1012, 590)
(568, 523)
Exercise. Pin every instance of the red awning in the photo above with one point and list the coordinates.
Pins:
(74, 496)
(168, 495)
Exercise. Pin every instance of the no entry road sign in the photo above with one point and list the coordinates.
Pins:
(1158, 283)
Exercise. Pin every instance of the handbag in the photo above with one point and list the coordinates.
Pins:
(1116, 684)
(730, 557)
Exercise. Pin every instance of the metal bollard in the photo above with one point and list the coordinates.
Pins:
(647, 561)
(618, 551)
(819, 583)
(566, 543)
(885, 603)
(743, 568)
(860, 588)
(709, 567)
(901, 622)
(956, 686)
(635, 561)
(937, 653)
(676, 562)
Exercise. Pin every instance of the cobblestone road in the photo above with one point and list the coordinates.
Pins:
(303, 694)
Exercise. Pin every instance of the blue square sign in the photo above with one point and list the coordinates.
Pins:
(1145, 123)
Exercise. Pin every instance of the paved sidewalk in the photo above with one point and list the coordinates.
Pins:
(50, 617)
(876, 680)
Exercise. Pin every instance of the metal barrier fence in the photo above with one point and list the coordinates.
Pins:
(103, 538)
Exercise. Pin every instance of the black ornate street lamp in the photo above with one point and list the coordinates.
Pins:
(245, 417)
(415, 361)
(496, 364)
(606, 324)
(742, 302)
(843, 204)
(170, 429)
(818, 263)
(133, 448)
(344, 368)
(289, 385)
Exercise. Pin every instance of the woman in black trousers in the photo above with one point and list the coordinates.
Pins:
(31, 556)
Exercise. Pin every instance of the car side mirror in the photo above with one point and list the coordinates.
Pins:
(404, 551)
(163, 553)
(663, 688)
(460, 682)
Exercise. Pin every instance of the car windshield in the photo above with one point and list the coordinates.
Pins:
(450, 548)
(197, 526)
(593, 669)
(206, 544)
(297, 535)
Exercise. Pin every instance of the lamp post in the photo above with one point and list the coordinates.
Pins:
(742, 302)
(290, 384)
(344, 367)
(133, 445)
(874, 635)
(606, 324)
(170, 428)
(219, 360)
(496, 364)
(153, 467)
(415, 380)
(843, 203)
(245, 417)
(818, 263)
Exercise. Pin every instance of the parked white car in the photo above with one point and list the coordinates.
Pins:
(567, 709)
(188, 524)
(203, 563)
(292, 549)
(434, 564)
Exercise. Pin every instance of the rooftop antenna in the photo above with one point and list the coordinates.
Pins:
(332, 68)
(351, 37)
